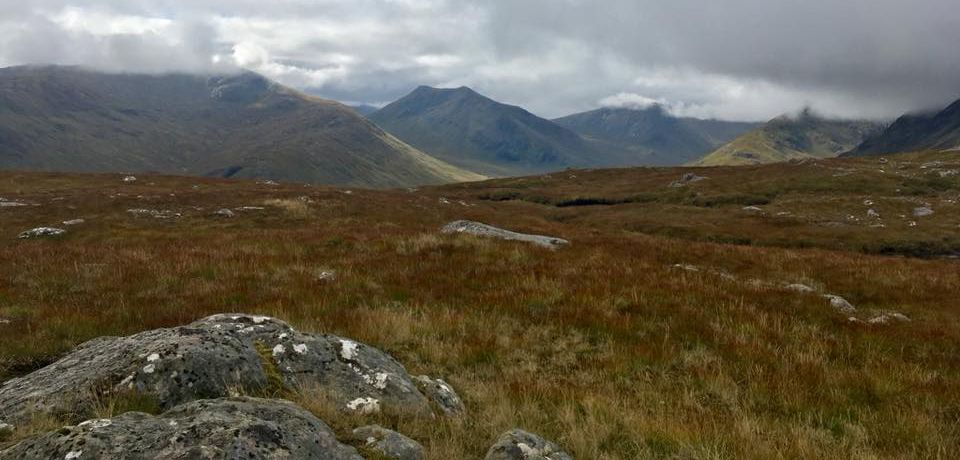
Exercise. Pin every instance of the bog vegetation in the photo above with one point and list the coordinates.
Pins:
(665, 330)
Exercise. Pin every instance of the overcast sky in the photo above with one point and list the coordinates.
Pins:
(730, 59)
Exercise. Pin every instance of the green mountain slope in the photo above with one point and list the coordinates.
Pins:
(466, 129)
(787, 137)
(933, 131)
(70, 119)
(656, 137)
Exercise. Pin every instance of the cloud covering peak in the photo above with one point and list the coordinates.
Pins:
(737, 59)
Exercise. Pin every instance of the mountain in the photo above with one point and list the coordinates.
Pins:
(471, 131)
(930, 131)
(653, 135)
(365, 109)
(792, 137)
(71, 119)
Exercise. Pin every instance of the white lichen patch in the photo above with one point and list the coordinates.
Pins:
(260, 319)
(149, 369)
(348, 349)
(283, 336)
(300, 348)
(73, 454)
(364, 406)
(153, 357)
(97, 423)
(279, 350)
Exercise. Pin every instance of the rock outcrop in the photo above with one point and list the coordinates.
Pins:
(441, 394)
(479, 229)
(213, 358)
(388, 444)
(41, 232)
(235, 428)
(517, 444)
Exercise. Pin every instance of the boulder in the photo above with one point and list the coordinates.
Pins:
(388, 444)
(517, 444)
(840, 304)
(441, 394)
(212, 358)
(234, 428)
(479, 229)
(41, 232)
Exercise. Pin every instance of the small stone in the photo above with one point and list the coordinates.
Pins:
(840, 304)
(801, 288)
(42, 232)
(130, 179)
(922, 211)
(873, 214)
(73, 222)
(224, 213)
(753, 209)
(517, 444)
(388, 443)
(441, 394)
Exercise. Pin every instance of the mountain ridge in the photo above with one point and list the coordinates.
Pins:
(72, 119)
(932, 130)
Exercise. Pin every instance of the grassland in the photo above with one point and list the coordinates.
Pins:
(604, 346)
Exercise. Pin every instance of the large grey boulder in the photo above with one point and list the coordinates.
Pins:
(389, 444)
(239, 428)
(479, 229)
(213, 358)
(517, 444)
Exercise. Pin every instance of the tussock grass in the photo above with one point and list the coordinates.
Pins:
(602, 346)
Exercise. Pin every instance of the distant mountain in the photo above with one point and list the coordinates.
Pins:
(365, 109)
(471, 131)
(70, 119)
(653, 135)
(792, 137)
(930, 131)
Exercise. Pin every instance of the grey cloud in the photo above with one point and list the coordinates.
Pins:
(738, 59)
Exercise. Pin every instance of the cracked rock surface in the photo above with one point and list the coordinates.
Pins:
(235, 428)
(212, 358)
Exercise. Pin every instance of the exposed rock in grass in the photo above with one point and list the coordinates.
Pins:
(222, 428)
(840, 304)
(922, 211)
(688, 178)
(753, 209)
(441, 394)
(479, 229)
(873, 214)
(250, 208)
(130, 179)
(389, 444)
(212, 358)
(801, 288)
(326, 275)
(517, 444)
(224, 213)
(687, 267)
(155, 213)
(41, 232)
(4, 203)
(889, 317)
(73, 222)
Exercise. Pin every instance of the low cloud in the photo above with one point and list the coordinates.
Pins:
(738, 59)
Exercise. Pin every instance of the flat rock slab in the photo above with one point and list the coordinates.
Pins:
(517, 444)
(389, 444)
(238, 428)
(212, 358)
(479, 229)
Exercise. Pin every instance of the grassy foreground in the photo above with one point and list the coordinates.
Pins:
(604, 346)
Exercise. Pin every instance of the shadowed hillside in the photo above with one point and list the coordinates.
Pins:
(792, 137)
(932, 131)
(243, 126)
(654, 136)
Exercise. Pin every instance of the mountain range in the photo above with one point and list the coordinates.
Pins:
(790, 137)
(652, 135)
(69, 119)
(926, 131)
(472, 131)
